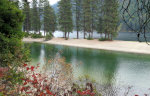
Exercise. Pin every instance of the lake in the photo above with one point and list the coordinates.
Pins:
(105, 67)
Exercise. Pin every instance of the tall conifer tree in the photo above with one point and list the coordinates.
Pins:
(65, 17)
(35, 17)
(27, 21)
(111, 18)
(87, 17)
(78, 16)
(49, 18)
(94, 15)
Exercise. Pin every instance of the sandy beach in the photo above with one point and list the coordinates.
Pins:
(122, 46)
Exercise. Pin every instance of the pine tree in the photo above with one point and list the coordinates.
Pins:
(110, 18)
(87, 17)
(94, 15)
(49, 18)
(35, 17)
(65, 17)
(27, 21)
(78, 16)
(40, 11)
(115, 19)
(100, 26)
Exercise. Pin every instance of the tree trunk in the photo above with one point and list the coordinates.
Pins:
(39, 32)
(65, 34)
(108, 36)
(89, 35)
(111, 37)
(68, 34)
(77, 34)
(105, 35)
(84, 34)
(84, 27)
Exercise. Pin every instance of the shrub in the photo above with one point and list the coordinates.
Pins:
(26, 34)
(36, 36)
(66, 38)
(55, 82)
(12, 52)
(49, 36)
(89, 38)
(104, 39)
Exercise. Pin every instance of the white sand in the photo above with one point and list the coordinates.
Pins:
(123, 46)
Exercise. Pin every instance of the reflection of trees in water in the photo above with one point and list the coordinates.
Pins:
(60, 70)
(35, 49)
(93, 61)
(90, 59)
(67, 53)
(100, 60)
(50, 53)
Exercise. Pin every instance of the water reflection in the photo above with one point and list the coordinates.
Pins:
(106, 67)
(42, 56)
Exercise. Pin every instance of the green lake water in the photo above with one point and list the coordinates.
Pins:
(105, 67)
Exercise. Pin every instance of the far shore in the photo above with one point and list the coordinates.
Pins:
(116, 45)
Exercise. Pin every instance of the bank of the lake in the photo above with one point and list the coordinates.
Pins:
(116, 45)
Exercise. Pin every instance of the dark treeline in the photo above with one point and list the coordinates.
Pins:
(39, 15)
(86, 16)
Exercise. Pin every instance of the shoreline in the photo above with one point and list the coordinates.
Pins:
(116, 45)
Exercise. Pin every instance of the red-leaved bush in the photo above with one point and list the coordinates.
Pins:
(37, 83)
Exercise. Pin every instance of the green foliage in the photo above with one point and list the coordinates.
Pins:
(26, 34)
(110, 18)
(1, 94)
(90, 38)
(66, 38)
(87, 15)
(36, 35)
(36, 26)
(27, 20)
(77, 9)
(11, 18)
(14, 77)
(65, 16)
(49, 36)
(12, 53)
(104, 39)
(49, 18)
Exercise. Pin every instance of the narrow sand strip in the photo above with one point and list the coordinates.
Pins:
(123, 46)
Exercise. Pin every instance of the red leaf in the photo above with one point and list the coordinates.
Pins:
(79, 92)
(25, 83)
(27, 80)
(28, 68)
(22, 79)
(86, 92)
(28, 92)
(35, 81)
(41, 94)
(32, 68)
(92, 94)
(34, 76)
(22, 89)
(48, 92)
(25, 65)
